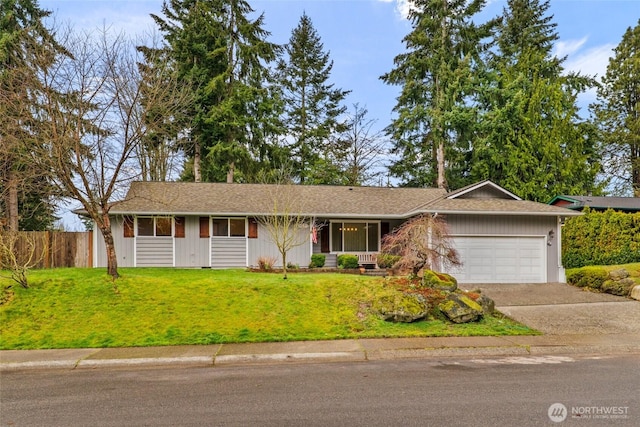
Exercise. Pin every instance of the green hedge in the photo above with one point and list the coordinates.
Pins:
(601, 238)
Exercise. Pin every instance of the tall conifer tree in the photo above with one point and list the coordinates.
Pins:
(531, 140)
(312, 106)
(27, 48)
(432, 130)
(617, 112)
(223, 54)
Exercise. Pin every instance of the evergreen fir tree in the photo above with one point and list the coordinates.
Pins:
(223, 55)
(531, 140)
(431, 133)
(312, 107)
(617, 112)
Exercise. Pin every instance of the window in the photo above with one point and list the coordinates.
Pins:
(179, 227)
(228, 227)
(145, 227)
(163, 226)
(220, 227)
(204, 226)
(354, 236)
(127, 225)
(154, 226)
(236, 227)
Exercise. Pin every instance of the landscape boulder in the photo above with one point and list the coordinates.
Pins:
(460, 308)
(441, 281)
(620, 287)
(619, 274)
(488, 305)
(404, 308)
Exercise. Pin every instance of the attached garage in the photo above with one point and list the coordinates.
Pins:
(500, 259)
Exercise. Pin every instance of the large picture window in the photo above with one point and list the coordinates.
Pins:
(354, 236)
(229, 227)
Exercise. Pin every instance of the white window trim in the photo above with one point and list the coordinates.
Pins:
(155, 217)
(228, 218)
(366, 223)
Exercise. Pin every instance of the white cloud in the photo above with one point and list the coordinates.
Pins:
(402, 7)
(564, 48)
(592, 61)
(589, 62)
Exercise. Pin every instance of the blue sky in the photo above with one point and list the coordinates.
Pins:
(363, 36)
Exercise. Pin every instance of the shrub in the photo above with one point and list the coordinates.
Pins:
(266, 263)
(589, 277)
(601, 238)
(317, 261)
(348, 261)
(292, 266)
(387, 260)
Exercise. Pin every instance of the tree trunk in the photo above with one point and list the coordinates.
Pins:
(12, 201)
(197, 176)
(442, 180)
(284, 264)
(230, 173)
(112, 259)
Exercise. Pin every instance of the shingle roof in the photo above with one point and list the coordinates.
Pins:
(597, 202)
(316, 200)
(246, 199)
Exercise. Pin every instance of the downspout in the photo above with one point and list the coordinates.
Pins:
(562, 276)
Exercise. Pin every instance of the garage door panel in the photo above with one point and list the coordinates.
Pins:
(500, 259)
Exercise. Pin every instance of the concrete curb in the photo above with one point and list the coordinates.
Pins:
(362, 350)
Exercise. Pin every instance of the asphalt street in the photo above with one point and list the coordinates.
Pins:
(473, 391)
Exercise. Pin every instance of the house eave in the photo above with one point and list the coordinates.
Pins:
(500, 213)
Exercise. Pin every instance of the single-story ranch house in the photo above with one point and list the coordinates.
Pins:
(500, 237)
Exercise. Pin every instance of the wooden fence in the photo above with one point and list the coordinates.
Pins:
(54, 249)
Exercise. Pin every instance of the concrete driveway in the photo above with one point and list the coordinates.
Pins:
(561, 309)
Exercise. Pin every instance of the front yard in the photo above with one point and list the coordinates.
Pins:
(83, 308)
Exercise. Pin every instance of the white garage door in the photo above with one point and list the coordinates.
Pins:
(501, 260)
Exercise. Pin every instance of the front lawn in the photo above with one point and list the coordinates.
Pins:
(83, 308)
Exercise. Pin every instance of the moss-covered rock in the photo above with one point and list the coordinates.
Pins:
(620, 287)
(398, 307)
(460, 308)
(440, 281)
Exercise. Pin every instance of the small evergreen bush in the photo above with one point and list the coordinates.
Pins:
(317, 261)
(348, 261)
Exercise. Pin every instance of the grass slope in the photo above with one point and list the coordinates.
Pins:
(83, 308)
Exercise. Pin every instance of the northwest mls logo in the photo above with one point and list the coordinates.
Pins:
(557, 412)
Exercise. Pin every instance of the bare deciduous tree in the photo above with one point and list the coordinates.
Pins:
(19, 252)
(284, 219)
(364, 148)
(95, 125)
(422, 242)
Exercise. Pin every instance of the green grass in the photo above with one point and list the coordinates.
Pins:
(84, 308)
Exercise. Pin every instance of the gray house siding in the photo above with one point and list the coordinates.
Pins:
(263, 246)
(228, 252)
(546, 227)
(192, 250)
(124, 246)
(154, 251)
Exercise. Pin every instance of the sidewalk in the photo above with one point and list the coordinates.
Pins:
(357, 350)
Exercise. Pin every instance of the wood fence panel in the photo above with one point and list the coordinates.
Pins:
(53, 249)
